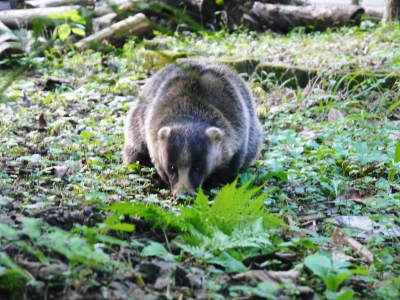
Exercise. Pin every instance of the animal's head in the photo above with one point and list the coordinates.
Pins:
(188, 153)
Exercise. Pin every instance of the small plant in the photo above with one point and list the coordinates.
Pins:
(333, 274)
(396, 160)
(390, 289)
(224, 232)
(74, 23)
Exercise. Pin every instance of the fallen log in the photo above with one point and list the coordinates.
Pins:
(283, 18)
(116, 34)
(374, 13)
(57, 3)
(120, 5)
(103, 21)
(24, 17)
(3, 28)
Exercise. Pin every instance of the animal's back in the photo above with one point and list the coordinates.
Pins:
(204, 89)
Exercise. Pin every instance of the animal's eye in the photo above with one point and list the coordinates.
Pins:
(172, 169)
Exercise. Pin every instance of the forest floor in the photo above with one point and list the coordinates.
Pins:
(77, 224)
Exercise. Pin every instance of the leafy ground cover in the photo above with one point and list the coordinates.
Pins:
(319, 216)
(366, 48)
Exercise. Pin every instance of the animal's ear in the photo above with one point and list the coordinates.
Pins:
(164, 133)
(214, 134)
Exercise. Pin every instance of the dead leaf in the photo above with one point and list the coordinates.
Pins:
(42, 270)
(311, 226)
(259, 259)
(308, 134)
(340, 256)
(395, 135)
(273, 277)
(335, 115)
(342, 239)
(355, 195)
(41, 123)
(61, 171)
(359, 200)
(310, 218)
(365, 224)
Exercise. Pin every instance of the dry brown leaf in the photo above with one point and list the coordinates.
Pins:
(334, 115)
(358, 201)
(342, 239)
(340, 256)
(273, 277)
(41, 123)
(355, 195)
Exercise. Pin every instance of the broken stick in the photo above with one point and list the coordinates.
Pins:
(137, 25)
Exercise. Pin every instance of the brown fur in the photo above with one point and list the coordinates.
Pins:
(181, 99)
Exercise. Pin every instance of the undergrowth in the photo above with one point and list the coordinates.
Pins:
(74, 221)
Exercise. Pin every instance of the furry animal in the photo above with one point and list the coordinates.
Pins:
(196, 122)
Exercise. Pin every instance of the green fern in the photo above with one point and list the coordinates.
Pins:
(236, 219)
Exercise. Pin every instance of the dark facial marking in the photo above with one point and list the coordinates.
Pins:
(174, 147)
(197, 145)
(198, 148)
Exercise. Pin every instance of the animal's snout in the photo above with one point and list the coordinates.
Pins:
(183, 191)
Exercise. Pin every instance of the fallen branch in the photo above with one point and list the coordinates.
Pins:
(58, 3)
(121, 5)
(137, 25)
(342, 239)
(24, 17)
(283, 18)
(103, 21)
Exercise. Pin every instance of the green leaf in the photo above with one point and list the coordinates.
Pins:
(122, 227)
(77, 250)
(78, 31)
(77, 18)
(319, 264)
(333, 281)
(201, 201)
(5, 260)
(267, 290)
(157, 249)
(341, 295)
(31, 227)
(392, 107)
(231, 264)
(397, 153)
(360, 271)
(63, 31)
(66, 15)
(8, 233)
